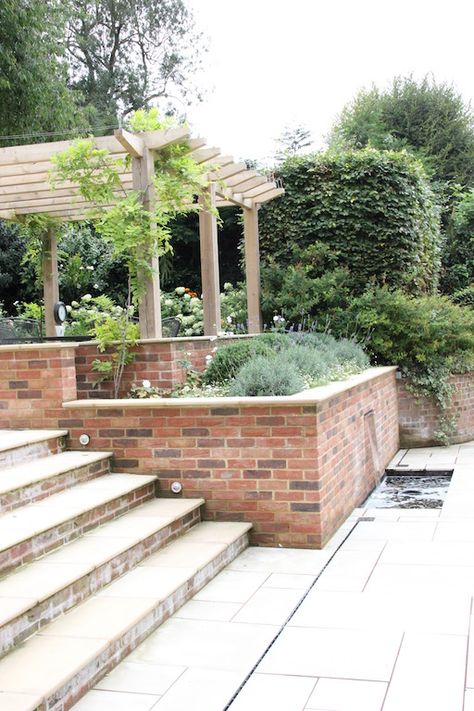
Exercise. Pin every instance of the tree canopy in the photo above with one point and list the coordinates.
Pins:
(426, 117)
(34, 96)
(125, 54)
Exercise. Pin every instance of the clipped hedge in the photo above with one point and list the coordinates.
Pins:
(375, 210)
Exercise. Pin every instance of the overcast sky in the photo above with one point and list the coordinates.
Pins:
(272, 63)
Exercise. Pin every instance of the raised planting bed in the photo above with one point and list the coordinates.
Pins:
(295, 466)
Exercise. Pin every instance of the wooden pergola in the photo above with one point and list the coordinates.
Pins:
(25, 189)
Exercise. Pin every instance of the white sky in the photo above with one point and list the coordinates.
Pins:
(273, 63)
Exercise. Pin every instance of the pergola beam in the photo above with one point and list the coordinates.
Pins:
(132, 143)
(271, 195)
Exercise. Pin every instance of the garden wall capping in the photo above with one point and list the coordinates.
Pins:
(306, 397)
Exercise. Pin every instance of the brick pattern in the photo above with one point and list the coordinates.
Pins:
(34, 619)
(419, 415)
(39, 490)
(158, 362)
(295, 472)
(33, 385)
(46, 541)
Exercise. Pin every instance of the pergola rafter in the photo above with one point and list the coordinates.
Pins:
(25, 189)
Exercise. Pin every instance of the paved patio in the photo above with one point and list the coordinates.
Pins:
(385, 626)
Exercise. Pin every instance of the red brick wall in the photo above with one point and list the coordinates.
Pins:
(34, 382)
(156, 361)
(294, 470)
(419, 416)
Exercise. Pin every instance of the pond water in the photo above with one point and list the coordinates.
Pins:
(426, 490)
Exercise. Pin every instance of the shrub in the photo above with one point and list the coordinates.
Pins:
(267, 375)
(464, 297)
(228, 360)
(414, 333)
(374, 210)
(313, 365)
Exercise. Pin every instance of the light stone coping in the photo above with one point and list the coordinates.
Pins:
(32, 519)
(12, 439)
(44, 577)
(38, 346)
(182, 339)
(67, 645)
(307, 397)
(25, 473)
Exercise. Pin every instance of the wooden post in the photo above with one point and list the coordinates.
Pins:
(210, 266)
(252, 269)
(149, 309)
(50, 280)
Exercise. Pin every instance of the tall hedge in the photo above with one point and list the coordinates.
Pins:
(374, 209)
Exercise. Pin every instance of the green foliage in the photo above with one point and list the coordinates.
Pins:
(310, 286)
(116, 335)
(426, 117)
(267, 375)
(427, 337)
(12, 250)
(413, 333)
(34, 95)
(229, 359)
(374, 212)
(126, 55)
(292, 141)
(464, 297)
(458, 257)
(135, 234)
(34, 229)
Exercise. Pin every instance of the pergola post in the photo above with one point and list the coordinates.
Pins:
(149, 308)
(209, 264)
(50, 280)
(252, 269)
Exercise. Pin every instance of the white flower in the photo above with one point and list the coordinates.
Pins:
(228, 286)
(96, 286)
(179, 290)
(146, 383)
(91, 269)
(208, 359)
(168, 302)
(74, 304)
(229, 319)
(86, 297)
(68, 309)
(187, 297)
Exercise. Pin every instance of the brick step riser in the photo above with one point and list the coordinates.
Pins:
(47, 541)
(30, 452)
(53, 485)
(45, 612)
(75, 688)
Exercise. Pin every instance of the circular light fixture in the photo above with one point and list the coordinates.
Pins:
(59, 313)
(84, 439)
(176, 487)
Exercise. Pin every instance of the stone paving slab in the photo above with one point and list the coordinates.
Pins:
(385, 627)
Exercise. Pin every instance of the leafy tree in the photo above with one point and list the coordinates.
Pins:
(126, 54)
(458, 257)
(292, 141)
(374, 209)
(426, 117)
(33, 91)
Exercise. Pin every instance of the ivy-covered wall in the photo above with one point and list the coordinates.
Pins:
(374, 209)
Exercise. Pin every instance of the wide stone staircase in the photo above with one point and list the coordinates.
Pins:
(91, 562)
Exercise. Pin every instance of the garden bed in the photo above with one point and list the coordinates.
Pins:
(295, 466)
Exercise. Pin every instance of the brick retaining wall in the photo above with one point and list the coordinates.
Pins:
(419, 416)
(295, 467)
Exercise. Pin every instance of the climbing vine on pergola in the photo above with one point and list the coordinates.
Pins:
(134, 157)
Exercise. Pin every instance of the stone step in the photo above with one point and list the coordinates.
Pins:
(33, 480)
(55, 667)
(22, 445)
(32, 530)
(48, 587)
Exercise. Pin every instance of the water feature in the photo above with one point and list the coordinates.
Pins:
(410, 490)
